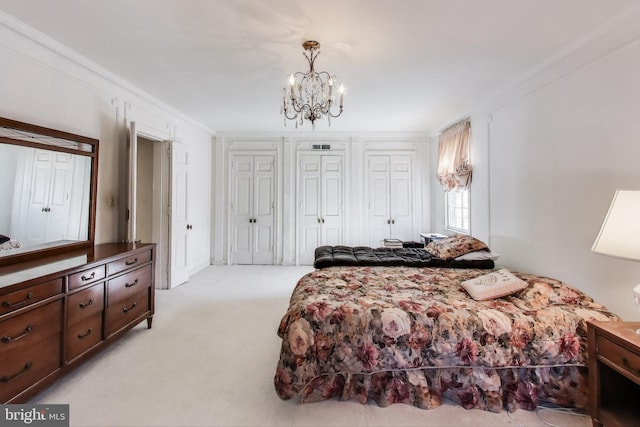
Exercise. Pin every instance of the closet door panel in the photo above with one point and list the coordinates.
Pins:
(59, 199)
(36, 225)
(379, 199)
(263, 210)
(309, 213)
(242, 209)
(401, 200)
(332, 197)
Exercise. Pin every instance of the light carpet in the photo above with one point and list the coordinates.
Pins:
(210, 358)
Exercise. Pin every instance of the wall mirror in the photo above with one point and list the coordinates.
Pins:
(48, 183)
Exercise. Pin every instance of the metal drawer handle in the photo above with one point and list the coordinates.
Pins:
(81, 336)
(128, 285)
(131, 262)
(627, 365)
(7, 378)
(125, 309)
(91, 276)
(8, 340)
(28, 298)
(83, 305)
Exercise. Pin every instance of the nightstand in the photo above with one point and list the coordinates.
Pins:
(614, 373)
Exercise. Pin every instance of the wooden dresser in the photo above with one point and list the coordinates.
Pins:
(59, 310)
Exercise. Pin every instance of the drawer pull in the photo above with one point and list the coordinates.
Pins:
(131, 262)
(125, 309)
(128, 285)
(627, 365)
(8, 340)
(83, 305)
(28, 298)
(91, 276)
(7, 378)
(83, 336)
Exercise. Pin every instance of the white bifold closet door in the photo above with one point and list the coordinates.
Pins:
(252, 209)
(390, 197)
(320, 204)
(49, 197)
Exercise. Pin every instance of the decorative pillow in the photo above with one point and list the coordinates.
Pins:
(478, 256)
(4, 238)
(454, 246)
(493, 285)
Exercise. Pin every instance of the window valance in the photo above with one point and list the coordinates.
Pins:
(454, 166)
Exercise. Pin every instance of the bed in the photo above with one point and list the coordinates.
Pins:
(412, 334)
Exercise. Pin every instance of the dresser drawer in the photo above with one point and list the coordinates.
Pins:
(21, 369)
(122, 287)
(131, 261)
(85, 303)
(30, 295)
(621, 357)
(31, 327)
(85, 277)
(83, 335)
(120, 314)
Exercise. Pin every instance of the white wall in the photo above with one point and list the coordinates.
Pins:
(547, 163)
(44, 83)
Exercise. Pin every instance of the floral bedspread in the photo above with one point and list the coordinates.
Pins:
(412, 335)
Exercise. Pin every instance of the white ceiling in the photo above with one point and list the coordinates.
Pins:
(407, 65)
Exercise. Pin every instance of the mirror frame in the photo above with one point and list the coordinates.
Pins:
(91, 152)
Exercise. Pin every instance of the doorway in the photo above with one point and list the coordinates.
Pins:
(149, 198)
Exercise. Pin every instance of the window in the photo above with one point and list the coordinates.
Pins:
(456, 216)
(454, 175)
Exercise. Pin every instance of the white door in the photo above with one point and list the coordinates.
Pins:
(379, 199)
(401, 197)
(180, 226)
(49, 197)
(331, 201)
(241, 209)
(252, 209)
(263, 210)
(309, 210)
(320, 207)
(390, 197)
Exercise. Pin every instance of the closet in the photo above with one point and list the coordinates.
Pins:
(320, 203)
(389, 195)
(252, 209)
(47, 200)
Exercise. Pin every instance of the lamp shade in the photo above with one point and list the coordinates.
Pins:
(619, 235)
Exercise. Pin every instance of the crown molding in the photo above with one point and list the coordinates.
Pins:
(615, 34)
(39, 47)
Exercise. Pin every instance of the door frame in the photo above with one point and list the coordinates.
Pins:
(162, 218)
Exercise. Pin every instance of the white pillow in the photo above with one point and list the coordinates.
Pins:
(493, 285)
(478, 255)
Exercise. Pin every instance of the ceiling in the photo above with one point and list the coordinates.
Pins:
(407, 65)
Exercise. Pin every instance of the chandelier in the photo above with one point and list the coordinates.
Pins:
(310, 96)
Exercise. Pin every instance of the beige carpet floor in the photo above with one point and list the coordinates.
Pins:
(210, 358)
